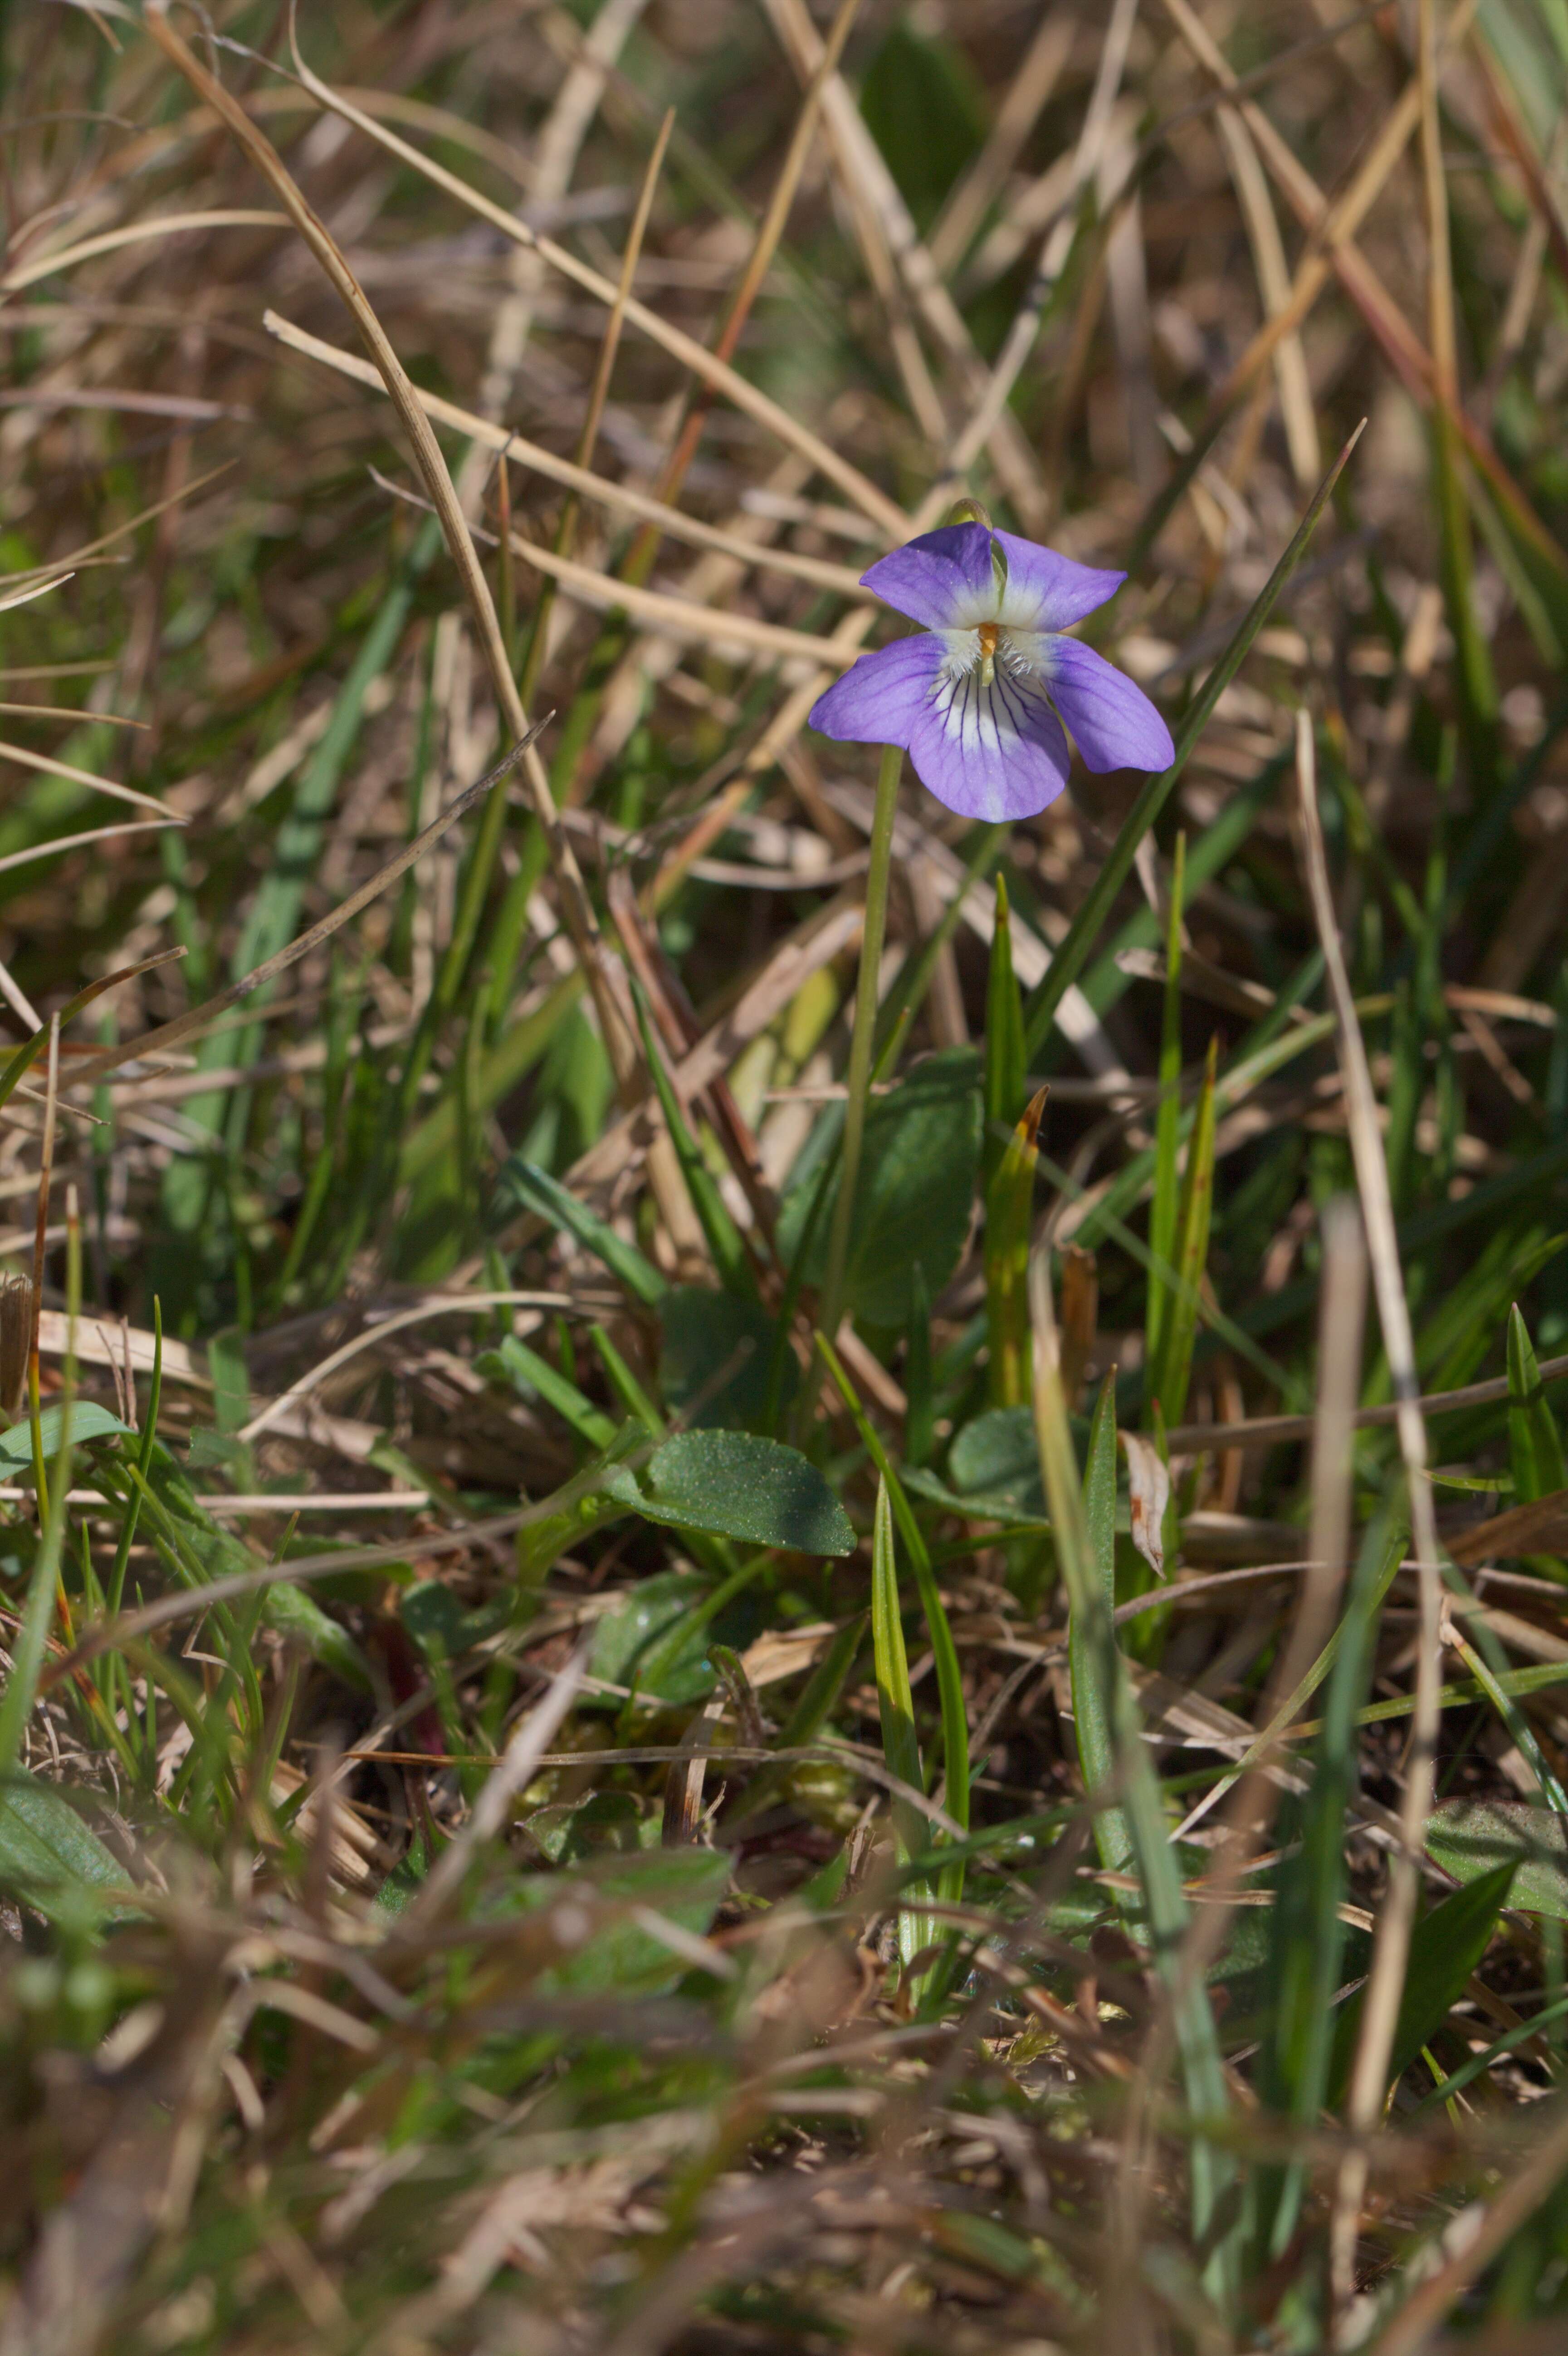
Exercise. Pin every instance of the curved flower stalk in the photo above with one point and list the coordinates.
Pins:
(978, 697)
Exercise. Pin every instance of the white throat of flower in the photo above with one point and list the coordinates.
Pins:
(988, 646)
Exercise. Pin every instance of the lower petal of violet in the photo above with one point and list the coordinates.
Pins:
(993, 751)
(1113, 724)
(880, 697)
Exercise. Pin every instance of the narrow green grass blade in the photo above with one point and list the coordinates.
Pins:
(1474, 677)
(625, 1383)
(1004, 1075)
(1307, 1936)
(1009, 1218)
(38, 1615)
(1168, 1381)
(1535, 1446)
(1164, 1206)
(535, 1190)
(1109, 1731)
(723, 1237)
(944, 1651)
(502, 1068)
(1070, 958)
(1445, 1947)
(912, 982)
(1518, 1724)
(512, 1361)
(1095, 1748)
(895, 1702)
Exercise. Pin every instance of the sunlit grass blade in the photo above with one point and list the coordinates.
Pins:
(1170, 1374)
(895, 1702)
(1009, 1212)
(944, 1652)
(535, 1190)
(736, 1273)
(1097, 1751)
(1071, 955)
(1004, 1073)
(1163, 1206)
(1535, 1445)
(1307, 1941)
(14, 1071)
(1114, 1759)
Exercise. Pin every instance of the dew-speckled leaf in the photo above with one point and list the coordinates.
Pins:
(1469, 1837)
(735, 1485)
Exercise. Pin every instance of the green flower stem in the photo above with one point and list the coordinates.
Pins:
(863, 1039)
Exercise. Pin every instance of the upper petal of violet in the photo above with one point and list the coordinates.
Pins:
(1047, 592)
(942, 579)
(1115, 724)
(881, 695)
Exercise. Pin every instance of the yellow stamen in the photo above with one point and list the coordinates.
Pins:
(990, 635)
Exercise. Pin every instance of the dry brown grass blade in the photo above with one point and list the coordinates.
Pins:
(577, 478)
(1539, 1527)
(61, 843)
(1027, 93)
(1274, 284)
(765, 250)
(861, 189)
(899, 264)
(50, 767)
(548, 177)
(1546, 209)
(1333, 226)
(576, 907)
(1369, 2077)
(71, 711)
(1271, 1431)
(599, 394)
(858, 488)
(133, 233)
(710, 625)
(1018, 343)
(441, 1305)
(190, 1024)
(823, 937)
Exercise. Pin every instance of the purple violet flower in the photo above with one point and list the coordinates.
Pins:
(975, 699)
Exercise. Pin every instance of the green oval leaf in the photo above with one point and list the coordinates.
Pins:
(734, 1486)
(87, 1421)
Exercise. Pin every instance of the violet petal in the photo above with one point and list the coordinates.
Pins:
(944, 579)
(1113, 724)
(994, 752)
(1046, 592)
(881, 695)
